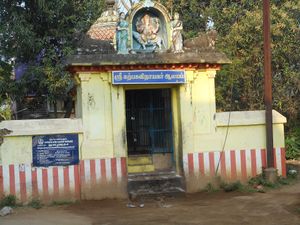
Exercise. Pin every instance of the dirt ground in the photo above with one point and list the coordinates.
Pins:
(276, 207)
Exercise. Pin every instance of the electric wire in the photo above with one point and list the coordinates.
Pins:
(227, 130)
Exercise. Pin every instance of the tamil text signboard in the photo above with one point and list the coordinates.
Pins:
(149, 77)
(55, 150)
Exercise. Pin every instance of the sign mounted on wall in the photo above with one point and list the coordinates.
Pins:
(55, 150)
(149, 77)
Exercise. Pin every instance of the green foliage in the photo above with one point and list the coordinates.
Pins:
(35, 203)
(41, 34)
(9, 200)
(59, 203)
(211, 188)
(239, 25)
(261, 180)
(228, 187)
(192, 14)
(293, 144)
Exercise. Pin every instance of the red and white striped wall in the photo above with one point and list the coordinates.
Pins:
(103, 170)
(232, 165)
(27, 182)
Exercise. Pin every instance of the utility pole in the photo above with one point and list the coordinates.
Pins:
(270, 172)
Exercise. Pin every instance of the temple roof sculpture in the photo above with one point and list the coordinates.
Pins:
(147, 34)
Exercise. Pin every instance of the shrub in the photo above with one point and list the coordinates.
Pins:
(228, 187)
(293, 144)
(35, 203)
(9, 200)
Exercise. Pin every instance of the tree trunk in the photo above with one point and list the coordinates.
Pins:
(55, 108)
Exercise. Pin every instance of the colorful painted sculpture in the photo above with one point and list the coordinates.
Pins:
(147, 28)
(122, 35)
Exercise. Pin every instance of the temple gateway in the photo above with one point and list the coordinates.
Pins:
(145, 118)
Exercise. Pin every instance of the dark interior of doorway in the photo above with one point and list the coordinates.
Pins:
(149, 121)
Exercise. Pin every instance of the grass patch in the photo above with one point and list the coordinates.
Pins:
(228, 187)
(211, 188)
(60, 203)
(9, 200)
(35, 203)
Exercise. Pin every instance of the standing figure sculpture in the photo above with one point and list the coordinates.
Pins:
(122, 35)
(177, 40)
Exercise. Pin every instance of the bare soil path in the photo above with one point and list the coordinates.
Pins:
(277, 207)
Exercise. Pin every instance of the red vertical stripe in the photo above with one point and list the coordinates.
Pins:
(212, 164)
(103, 169)
(23, 185)
(233, 165)
(123, 167)
(1, 182)
(35, 192)
(283, 165)
(201, 164)
(66, 181)
(223, 165)
(243, 165)
(82, 173)
(55, 182)
(76, 180)
(93, 171)
(12, 180)
(114, 169)
(191, 163)
(264, 158)
(274, 153)
(253, 163)
(45, 183)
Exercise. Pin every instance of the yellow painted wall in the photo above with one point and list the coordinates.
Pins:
(17, 146)
(196, 125)
(197, 108)
(96, 115)
(100, 107)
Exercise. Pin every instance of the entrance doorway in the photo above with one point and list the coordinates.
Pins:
(149, 122)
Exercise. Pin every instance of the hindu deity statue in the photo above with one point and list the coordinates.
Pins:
(146, 34)
(177, 40)
(122, 35)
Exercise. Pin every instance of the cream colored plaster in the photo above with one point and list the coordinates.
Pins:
(239, 137)
(42, 126)
(119, 121)
(176, 127)
(16, 150)
(97, 116)
(197, 107)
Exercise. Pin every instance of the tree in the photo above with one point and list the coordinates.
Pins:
(41, 34)
(192, 14)
(239, 24)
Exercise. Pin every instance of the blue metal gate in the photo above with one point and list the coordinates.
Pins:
(149, 121)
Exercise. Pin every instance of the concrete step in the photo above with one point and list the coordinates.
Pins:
(140, 160)
(140, 168)
(153, 184)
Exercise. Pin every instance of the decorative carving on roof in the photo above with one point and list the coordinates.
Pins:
(105, 26)
(146, 34)
(122, 35)
(204, 40)
(177, 40)
(146, 28)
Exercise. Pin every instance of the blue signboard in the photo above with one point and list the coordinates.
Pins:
(55, 150)
(149, 77)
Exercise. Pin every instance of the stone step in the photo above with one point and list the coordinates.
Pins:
(140, 160)
(140, 168)
(164, 183)
(170, 192)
